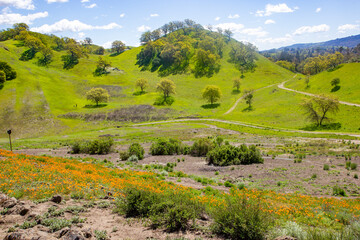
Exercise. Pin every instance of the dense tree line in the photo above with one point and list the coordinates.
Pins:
(178, 47)
(313, 60)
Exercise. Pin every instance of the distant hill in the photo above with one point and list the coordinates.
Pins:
(350, 42)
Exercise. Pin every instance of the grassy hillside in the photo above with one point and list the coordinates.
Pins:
(33, 102)
(349, 75)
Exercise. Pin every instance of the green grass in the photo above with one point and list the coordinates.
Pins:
(348, 74)
(33, 103)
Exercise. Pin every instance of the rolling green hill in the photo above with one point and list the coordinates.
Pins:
(349, 75)
(50, 100)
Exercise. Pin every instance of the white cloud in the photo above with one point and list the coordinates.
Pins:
(233, 16)
(154, 15)
(312, 29)
(85, 1)
(143, 28)
(22, 4)
(279, 8)
(318, 10)
(81, 35)
(288, 38)
(217, 19)
(348, 27)
(11, 18)
(73, 26)
(269, 21)
(258, 32)
(122, 15)
(107, 45)
(234, 27)
(60, 1)
(91, 6)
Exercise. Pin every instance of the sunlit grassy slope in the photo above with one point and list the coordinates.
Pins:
(33, 103)
(349, 75)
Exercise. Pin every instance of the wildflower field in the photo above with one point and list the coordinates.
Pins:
(40, 177)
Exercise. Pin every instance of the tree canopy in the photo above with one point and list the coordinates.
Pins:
(318, 107)
(211, 93)
(10, 73)
(97, 95)
(167, 87)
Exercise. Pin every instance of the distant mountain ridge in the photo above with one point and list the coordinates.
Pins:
(351, 41)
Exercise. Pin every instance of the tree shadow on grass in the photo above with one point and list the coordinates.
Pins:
(210, 106)
(336, 88)
(235, 91)
(161, 101)
(115, 54)
(96, 106)
(138, 93)
(1, 86)
(329, 126)
(248, 109)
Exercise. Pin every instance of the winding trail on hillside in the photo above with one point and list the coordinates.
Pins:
(281, 86)
(237, 101)
(246, 125)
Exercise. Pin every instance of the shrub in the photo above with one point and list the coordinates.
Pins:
(201, 147)
(338, 191)
(241, 218)
(124, 155)
(133, 158)
(326, 167)
(227, 155)
(353, 166)
(137, 150)
(167, 147)
(97, 146)
(169, 210)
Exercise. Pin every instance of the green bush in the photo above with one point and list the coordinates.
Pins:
(137, 150)
(241, 218)
(353, 166)
(133, 158)
(230, 155)
(326, 167)
(201, 147)
(169, 210)
(167, 147)
(338, 191)
(97, 146)
(124, 155)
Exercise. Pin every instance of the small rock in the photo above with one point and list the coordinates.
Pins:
(87, 233)
(14, 236)
(39, 238)
(10, 203)
(43, 228)
(62, 232)
(56, 199)
(73, 235)
(31, 216)
(285, 238)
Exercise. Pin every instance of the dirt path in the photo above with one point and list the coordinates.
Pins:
(281, 85)
(237, 101)
(247, 125)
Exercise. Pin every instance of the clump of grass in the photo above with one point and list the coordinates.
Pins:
(101, 235)
(326, 167)
(338, 191)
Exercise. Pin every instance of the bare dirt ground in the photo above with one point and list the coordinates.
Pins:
(97, 218)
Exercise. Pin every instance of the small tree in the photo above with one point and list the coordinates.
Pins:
(2, 77)
(167, 87)
(97, 95)
(307, 80)
(118, 47)
(237, 84)
(335, 82)
(142, 84)
(212, 93)
(317, 107)
(248, 96)
(102, 64)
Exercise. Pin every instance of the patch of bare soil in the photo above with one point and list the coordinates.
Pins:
(96, 216)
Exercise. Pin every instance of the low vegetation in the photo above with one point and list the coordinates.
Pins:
(97, 146)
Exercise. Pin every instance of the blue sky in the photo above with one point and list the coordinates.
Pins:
(267, 24)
